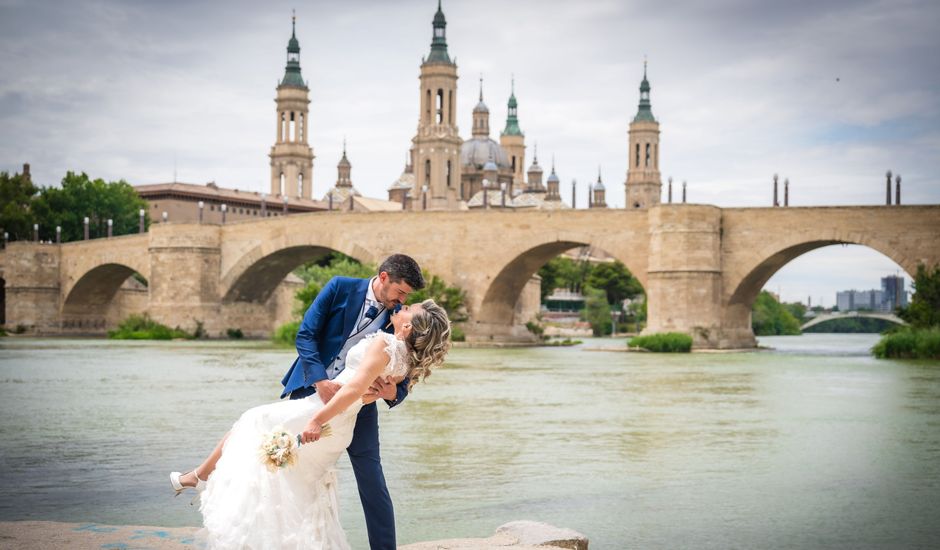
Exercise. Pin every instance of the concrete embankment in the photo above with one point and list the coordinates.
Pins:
(518, 535)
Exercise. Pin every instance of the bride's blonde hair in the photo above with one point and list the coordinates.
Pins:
(428, 342)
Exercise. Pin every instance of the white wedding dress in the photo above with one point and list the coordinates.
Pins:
(245, 505)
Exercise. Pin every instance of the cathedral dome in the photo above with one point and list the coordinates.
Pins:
(475, 152)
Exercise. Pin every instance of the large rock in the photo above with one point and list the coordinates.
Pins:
(536, 533)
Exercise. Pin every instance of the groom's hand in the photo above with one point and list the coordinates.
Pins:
(326, 389)
(382, 387)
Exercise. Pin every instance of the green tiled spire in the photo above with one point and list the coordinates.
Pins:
(645, 113)
(439, 39)
(512, 120)
(292, 72)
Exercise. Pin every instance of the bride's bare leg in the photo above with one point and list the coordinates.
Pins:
(205, 469)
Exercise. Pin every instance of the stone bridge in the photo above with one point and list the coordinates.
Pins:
(702, 266)
(822, 318)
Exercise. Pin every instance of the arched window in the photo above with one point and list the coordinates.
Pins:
(282, 187)
(656, 155)
(427, 107)
(648, 154)
(301, 129)
(300, 185)
(440, 106)
(637, 155)
(427, 172)
(292, 130)
(514, 164)
(450, 107)
(449, 182)
(282, 129)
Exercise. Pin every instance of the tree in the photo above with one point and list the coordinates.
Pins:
(317, 274)
(562, 272)
(17, 193)
(615, 280)
(769, 317)
(78, 197)
(597, 310)
(924, 309)
(451, 298)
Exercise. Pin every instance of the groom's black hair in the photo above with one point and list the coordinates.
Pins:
(403, 268)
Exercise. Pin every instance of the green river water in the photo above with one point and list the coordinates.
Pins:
(811, 445)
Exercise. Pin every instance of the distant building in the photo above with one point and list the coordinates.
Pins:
(181, 203)
(894, 295)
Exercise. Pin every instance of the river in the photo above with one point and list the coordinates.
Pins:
(813, 444)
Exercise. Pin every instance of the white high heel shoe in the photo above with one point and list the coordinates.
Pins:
(179, 487)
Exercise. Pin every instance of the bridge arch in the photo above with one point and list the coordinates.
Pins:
(824, 318)
(745, 283)
(256, 275)
(95, 289)
(501, 295)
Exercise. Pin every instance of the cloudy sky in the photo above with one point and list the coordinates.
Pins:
(829, 94)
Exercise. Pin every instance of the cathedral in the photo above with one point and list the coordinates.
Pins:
(445, 172)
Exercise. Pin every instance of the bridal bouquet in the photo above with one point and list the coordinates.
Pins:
(279, 448)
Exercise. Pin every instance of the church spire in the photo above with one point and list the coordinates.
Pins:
(512, 117)
(645, 112)
(439, 38)
(292, 71)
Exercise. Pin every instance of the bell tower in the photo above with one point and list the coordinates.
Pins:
(436, 146)
(513, 140)
(291, 157)
(643, 185)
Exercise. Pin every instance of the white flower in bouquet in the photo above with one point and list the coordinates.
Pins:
(279, 448)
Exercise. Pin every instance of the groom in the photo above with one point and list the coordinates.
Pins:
(343, 313)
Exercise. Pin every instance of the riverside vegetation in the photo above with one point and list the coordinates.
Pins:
(921, 338)
(663, 342)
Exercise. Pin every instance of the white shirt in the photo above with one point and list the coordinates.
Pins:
(358, 334)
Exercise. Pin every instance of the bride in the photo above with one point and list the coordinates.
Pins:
(246, 505)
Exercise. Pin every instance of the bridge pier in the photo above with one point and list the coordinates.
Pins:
(684, 275)
(184, 276)
(32, 286)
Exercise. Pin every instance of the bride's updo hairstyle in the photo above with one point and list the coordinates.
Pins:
(428, 342)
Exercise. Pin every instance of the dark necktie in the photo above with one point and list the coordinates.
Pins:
(370, 315)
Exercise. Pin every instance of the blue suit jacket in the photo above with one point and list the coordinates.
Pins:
(323, 332)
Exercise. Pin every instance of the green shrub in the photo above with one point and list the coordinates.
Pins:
(909, 343)
(142, 327)
(3, 332)
(286, 334)
(563, 343)
(235, 333)
(663, 342)
(457, 334)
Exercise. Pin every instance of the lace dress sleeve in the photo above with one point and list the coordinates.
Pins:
(397, 360)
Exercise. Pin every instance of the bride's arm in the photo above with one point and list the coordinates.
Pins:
(373, 363)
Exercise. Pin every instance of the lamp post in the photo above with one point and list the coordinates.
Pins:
(888, 189)
(613, 322)
(165, 216)
(285, 205)
(897, 190)
(670, 189)
(330, 197)
(110, 227)
(502, 190)
(424, 197)
(36, 232)
(86, 227)
(486, 193)
(786, 192)
(264, 205)
(202, 207)
(140, 220)
(58, 234)
(574, 196)
(224, 209)
(6, 238)
(683, 192)
(776, 202)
